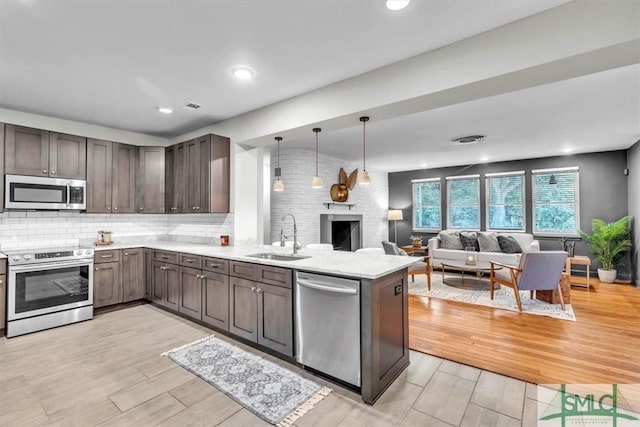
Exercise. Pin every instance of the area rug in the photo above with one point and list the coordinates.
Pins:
(503, 298)
(273, 393)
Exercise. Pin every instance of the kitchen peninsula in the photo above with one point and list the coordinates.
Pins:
(237, 290)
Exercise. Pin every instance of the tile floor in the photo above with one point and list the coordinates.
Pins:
(109, 372)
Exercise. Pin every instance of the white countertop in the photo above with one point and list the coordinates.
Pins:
(339, 263)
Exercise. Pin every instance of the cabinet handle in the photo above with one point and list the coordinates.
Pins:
(106, 256)
(44, 171)
(258, 290)
(1, 282)
(115, 209)
(53, 172)
(253, 289)
(215, 265)
(193, 208)
(126, 254)
(97, 269)
(141, 209)
(189, 260)
(174, 208)
(164, 257)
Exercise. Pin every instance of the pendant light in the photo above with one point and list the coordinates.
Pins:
(363, 175)
(316, 182)
(277, 184)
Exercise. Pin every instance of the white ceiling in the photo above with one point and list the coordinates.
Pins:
(112, 63)
(597, 112)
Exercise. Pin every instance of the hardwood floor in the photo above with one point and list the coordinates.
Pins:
(602, 346)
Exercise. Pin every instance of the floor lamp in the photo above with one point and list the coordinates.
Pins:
(395, 215)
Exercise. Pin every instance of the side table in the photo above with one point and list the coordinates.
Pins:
(414, 250)
(578, 260)
(552, 296)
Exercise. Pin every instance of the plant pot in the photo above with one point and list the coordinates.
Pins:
(607, 276)
(417, 243)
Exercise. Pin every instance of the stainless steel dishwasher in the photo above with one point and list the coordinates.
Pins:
(327, 325)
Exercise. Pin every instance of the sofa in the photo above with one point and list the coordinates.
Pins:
(438, 254)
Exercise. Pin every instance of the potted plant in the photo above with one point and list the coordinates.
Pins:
(416, 241)
(608, 241)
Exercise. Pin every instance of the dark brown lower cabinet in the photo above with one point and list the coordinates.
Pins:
(148, 274)
(262, 313)
(133, 285)
(275, 318)
(3, 292)
(166, 285)
(107, 285)
(190, 302)
(215, 300)
(243, 309)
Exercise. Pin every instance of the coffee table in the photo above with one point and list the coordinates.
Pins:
(476, 283)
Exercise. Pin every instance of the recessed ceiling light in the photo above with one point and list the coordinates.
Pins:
(397, 4)
(567, 150)
(423, 165)
(484, 158)
(165, 110)
(242, 73)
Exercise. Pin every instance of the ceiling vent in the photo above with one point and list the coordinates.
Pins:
(465, 140)
(192, 106)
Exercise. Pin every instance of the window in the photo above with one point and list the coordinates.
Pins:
(463, 202)
(505, 201)
(427, 202)
(556, 202)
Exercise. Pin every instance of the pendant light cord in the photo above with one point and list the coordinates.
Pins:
(364, 145)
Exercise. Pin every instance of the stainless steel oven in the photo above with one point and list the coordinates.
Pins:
(48, 288)
(35, 192)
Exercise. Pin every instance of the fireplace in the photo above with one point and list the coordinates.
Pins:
(344, 232)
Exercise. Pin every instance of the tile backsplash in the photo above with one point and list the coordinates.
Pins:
(49, 228)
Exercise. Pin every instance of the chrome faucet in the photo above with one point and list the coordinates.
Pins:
(283, 237)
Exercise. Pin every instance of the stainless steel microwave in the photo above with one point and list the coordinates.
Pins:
(34, 192)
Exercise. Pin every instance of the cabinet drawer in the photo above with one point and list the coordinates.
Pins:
(112, 255)
(274, 276)
(243, 269)
(216, 265)
(164, 256)
(194, 261)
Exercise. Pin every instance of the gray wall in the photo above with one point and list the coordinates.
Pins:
(603, 192)
(633, 163)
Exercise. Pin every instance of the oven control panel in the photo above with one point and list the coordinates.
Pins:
(47, 255)
(66, 254)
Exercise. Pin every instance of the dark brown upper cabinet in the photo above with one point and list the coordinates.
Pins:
(111, 177)
(150, 191)
(197, 175)
(39, 152)
(1, 166)
(174, 179)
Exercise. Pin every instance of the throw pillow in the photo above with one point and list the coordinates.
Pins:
(489, 242)
(450, 241)
(509, 245)
(469, 239)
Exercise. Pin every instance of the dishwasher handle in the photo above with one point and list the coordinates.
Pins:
(333, 289)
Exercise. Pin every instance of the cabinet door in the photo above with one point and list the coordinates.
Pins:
(1, 167)
(67, 156)
(133, 286)
(243, 309)
(275, 318)
(148, 274)
(150, 180)
(3, 292)
(158, 282)
(215, 300)
(174, 178)
(172, 296)
(197, 154)
(107, 289)
(190, 292)
(26, 151)
(219, 174)
(124, 178)
(99, 170)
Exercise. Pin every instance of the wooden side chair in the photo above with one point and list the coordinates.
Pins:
(418, 267)
(537, 271)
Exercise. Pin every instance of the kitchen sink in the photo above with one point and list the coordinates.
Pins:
(277, 257)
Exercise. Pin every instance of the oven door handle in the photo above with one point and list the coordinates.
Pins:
(49, 266)
(68, 194)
